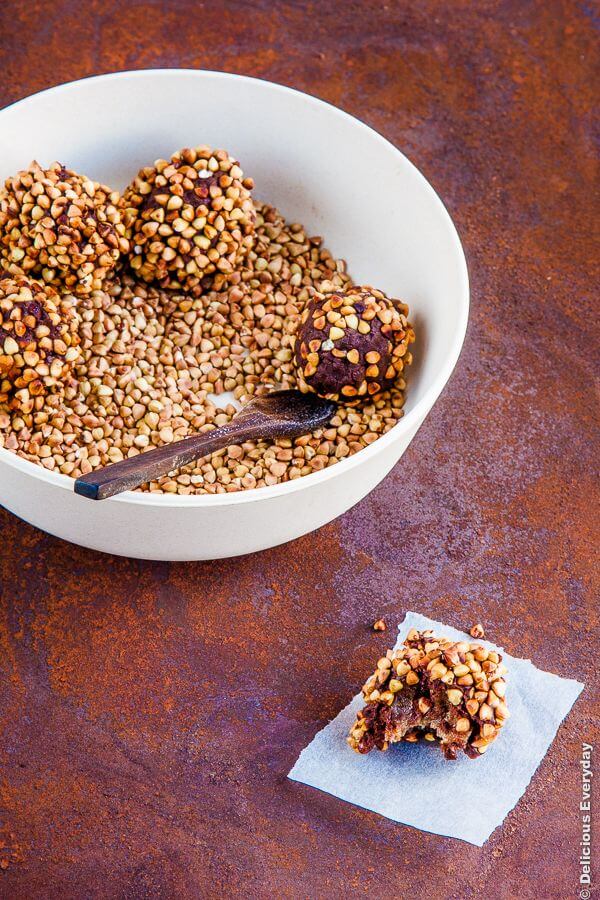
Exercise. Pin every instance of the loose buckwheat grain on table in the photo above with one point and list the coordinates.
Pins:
(152, 361)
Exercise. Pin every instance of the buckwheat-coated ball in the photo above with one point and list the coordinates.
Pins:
(189, 218)
(38, 341)
(446, 691)
(60, 227)
(352, 345)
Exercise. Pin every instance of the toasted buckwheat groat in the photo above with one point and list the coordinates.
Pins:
(436, 688)
(38, 342)
(352, 345)
(189, 218)
(60, 227)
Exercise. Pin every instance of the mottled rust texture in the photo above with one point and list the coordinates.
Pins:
(149, 712)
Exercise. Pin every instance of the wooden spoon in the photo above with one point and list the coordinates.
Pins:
(281, 414)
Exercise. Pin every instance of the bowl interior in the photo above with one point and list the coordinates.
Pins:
(320, 166)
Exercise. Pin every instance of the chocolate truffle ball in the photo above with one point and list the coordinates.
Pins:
(189, 218)
(350, 346)
(38, 341)
(451, 692)
(61, 227)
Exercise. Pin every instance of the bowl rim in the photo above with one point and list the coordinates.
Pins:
(410, 420)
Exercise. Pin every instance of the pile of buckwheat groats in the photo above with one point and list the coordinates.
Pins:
(153, 364)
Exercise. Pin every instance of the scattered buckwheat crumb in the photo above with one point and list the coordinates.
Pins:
(379, 625)
(477, 631)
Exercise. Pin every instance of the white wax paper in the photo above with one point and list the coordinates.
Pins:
(415, 785)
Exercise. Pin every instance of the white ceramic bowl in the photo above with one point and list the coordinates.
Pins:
(321, 167)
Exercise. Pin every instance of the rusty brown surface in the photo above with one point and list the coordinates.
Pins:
(149, 712)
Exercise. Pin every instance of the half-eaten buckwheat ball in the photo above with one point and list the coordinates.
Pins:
(189, 219)
(443, 690)
(38, 342)
(350, 346)
(60, 227)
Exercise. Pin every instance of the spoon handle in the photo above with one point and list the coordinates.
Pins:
(136, 470)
